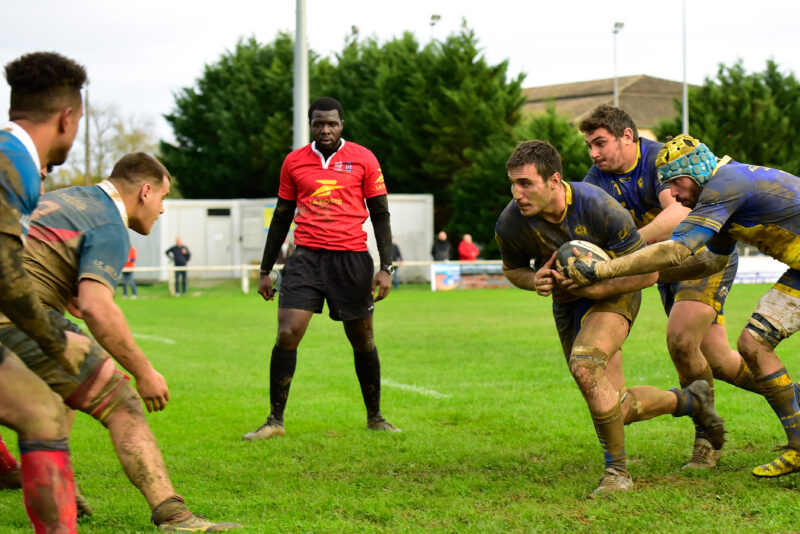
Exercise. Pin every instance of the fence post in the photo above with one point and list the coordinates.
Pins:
(245, 280)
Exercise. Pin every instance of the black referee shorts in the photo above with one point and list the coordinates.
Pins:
(342, 278)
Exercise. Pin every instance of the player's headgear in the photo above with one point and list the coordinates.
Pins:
(685, 156)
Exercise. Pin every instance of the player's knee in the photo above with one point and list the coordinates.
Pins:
(759, 333)
(586, 364)
(681, 347)
(43, 418)
(126, 403)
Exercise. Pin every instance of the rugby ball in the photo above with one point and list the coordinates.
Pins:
(584, 247)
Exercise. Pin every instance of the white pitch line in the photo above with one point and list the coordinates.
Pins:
(156, 338)
(416, 389)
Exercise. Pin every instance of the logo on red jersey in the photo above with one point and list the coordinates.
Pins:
(325, 189)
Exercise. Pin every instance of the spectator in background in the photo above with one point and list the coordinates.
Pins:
(442, 250)
(180, 255)
(127, 276)
(467, 250)
(397, 258)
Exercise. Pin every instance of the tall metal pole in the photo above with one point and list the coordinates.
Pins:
(685, 84)
(617, 27)
(300, 121)
(86, 178)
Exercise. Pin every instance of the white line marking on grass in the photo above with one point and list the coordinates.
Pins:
(416, 389)
(155, 338)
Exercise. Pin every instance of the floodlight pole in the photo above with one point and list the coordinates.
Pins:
(617, 27)
(300, 118)
(434, 21)
(685, 84)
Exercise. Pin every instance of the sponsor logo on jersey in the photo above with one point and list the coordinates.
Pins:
(323, 193)
(580, 230)
(325, 189)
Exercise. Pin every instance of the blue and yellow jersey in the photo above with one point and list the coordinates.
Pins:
(20, 184)
(636, 190)
(590, 215)
(76, 233)
(756, 205)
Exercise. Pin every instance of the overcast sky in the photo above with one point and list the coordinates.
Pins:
(139, 53)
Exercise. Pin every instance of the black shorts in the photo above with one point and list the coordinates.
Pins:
(342, 278)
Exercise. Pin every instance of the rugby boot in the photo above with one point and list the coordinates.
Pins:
(705, 416)
(614, 480)
(196, 523)
(173, 516)
(84, 508)
(272, 428)
(11, 480)
(788, 462)
(704, 456)
(377, 422)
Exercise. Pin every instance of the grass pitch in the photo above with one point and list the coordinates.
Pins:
(496, 437)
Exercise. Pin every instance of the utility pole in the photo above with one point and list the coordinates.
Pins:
(86, 178)
(300, 95)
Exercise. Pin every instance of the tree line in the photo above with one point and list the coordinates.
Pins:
(439, 118)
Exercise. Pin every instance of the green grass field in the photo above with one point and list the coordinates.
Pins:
(496, 437)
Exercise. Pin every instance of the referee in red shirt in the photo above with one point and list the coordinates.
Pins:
(327, 182)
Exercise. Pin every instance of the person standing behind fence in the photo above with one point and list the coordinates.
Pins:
(397, 258)
(127, 276)
(334, 186)
(467, 250)
(180, 255)
(442, 250)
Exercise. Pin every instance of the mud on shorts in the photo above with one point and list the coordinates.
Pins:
(97, 389)
(343, 279)
(569, 316)
(712, 290)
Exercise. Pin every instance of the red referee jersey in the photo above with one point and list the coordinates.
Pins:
(330, 196)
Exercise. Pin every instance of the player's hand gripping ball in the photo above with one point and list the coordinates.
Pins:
(582, 272)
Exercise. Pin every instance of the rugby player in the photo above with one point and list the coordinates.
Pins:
(45, 112)
(77, 247)
(328, 182)
(731, 201)
(592, 323)
(624, 167)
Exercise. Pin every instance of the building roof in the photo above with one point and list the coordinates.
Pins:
(647, 100)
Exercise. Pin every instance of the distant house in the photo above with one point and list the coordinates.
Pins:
(648, 100)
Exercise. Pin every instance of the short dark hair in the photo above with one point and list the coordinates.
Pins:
(137, 167)
(613, 119)
(537, 152)
(326, 103)
(43, 83)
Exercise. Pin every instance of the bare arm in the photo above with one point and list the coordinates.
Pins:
(608, 288)
(661, 228)
(109, 327)
(541, 281)
(704, 263)
(653, 258)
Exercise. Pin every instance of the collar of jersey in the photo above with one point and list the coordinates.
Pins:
(568, 198)
(325, 162)
(638, 157)
(109, 189)
(19, 132)
(724, 161)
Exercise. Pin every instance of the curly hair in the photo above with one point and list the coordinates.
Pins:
(326, 103)
(536, 152)
(613, 119)
(43, 83)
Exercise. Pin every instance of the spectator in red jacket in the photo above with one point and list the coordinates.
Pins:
(467, 250)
